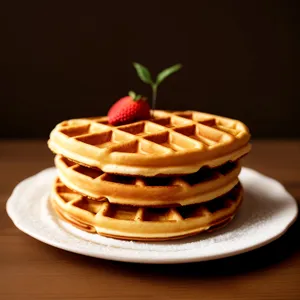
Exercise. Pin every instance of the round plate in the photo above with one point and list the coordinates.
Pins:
(265, 214)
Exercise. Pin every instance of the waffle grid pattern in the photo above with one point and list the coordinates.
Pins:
(185, 181)
(165, 134)
(168, 144)
(96, 209)
(198, 187)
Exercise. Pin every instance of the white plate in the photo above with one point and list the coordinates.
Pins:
(266, 213)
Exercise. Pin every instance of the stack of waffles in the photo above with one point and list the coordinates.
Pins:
(168, 177)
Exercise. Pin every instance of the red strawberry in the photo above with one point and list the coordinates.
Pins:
(129, 109)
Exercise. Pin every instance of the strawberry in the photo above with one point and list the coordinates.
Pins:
(129, 109)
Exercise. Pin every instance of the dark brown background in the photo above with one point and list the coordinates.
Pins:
(66, 59)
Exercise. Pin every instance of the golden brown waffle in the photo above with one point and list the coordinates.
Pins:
(199, 187)
(169, 143)
(140, 223)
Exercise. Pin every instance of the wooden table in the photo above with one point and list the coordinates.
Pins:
(30, 269)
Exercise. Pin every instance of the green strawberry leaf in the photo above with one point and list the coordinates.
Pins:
(143, 73)
(132, 94)
(136, 97)
(167, 72)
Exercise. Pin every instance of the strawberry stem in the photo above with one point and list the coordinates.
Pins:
(154, 95)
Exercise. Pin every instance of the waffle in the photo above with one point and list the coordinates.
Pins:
(169, 143)
(140, 223)
(199, 187)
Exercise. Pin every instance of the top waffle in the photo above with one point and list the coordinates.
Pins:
(168, 143)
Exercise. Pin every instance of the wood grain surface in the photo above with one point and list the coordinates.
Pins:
(32, 270)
